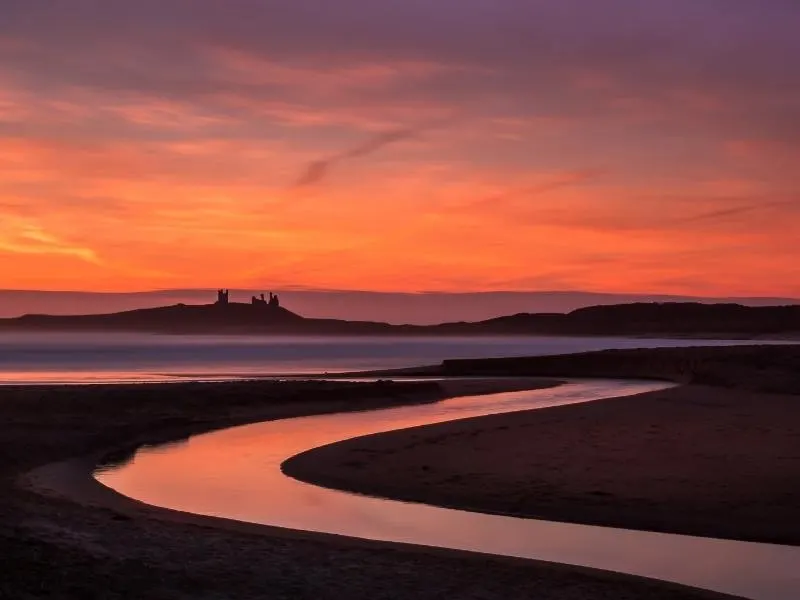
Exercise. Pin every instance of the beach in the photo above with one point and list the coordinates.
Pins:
(716, 460)
(692, 460)
(62, 535)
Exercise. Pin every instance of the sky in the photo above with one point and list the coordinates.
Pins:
(401, 145)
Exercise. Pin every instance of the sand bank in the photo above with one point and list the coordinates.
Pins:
(62, 535)
(717, 461)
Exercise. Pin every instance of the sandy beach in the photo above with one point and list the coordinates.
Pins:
(694, 460)
(718, 456)
(62, 535)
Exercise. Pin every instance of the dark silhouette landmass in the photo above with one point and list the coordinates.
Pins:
(267, 316)
(418, 308)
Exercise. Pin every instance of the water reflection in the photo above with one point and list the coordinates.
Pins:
(125, 456)
(236, 474)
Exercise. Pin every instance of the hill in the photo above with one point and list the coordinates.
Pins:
(640, 319)
(178, 318)
(419, 308)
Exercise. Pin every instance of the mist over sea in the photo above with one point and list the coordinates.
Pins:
(119, 357)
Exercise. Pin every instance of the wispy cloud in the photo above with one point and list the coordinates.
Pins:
(737, 210)
(32, 239)
(528, 192)
(316, 171)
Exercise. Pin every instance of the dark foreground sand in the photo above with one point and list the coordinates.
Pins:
(713, 460)
(64, 536)
(694, 460)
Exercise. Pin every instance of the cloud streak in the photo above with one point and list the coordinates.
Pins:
(736, 211)
(316, 171)
(555, 183)
(32, 239)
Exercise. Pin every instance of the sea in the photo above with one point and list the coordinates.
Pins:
(72, 358)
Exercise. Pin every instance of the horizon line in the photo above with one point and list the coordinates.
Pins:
(294, 289)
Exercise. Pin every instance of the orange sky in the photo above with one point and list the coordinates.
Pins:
(516, 147)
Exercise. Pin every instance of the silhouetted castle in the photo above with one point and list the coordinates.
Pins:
(223, 299)
(262, 301)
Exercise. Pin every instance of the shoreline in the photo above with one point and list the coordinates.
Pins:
(7, 325)
(50, 542)
(66, 534)
(57, 478)
(688, 460)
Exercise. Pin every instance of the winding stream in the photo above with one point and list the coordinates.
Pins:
(235, 473)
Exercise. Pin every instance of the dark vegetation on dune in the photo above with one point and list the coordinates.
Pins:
(674, 319)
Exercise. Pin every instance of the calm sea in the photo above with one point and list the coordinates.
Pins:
(78, 358)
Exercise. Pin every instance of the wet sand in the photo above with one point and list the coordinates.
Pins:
(718, 456)
(63, 535)
(694, 460)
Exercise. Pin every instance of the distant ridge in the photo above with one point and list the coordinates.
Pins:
(178, 318)
(424, 308)
(638, 319)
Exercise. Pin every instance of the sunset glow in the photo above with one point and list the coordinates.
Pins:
(401, 145)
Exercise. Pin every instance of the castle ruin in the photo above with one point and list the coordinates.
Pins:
(262, 301)
(223, 299)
